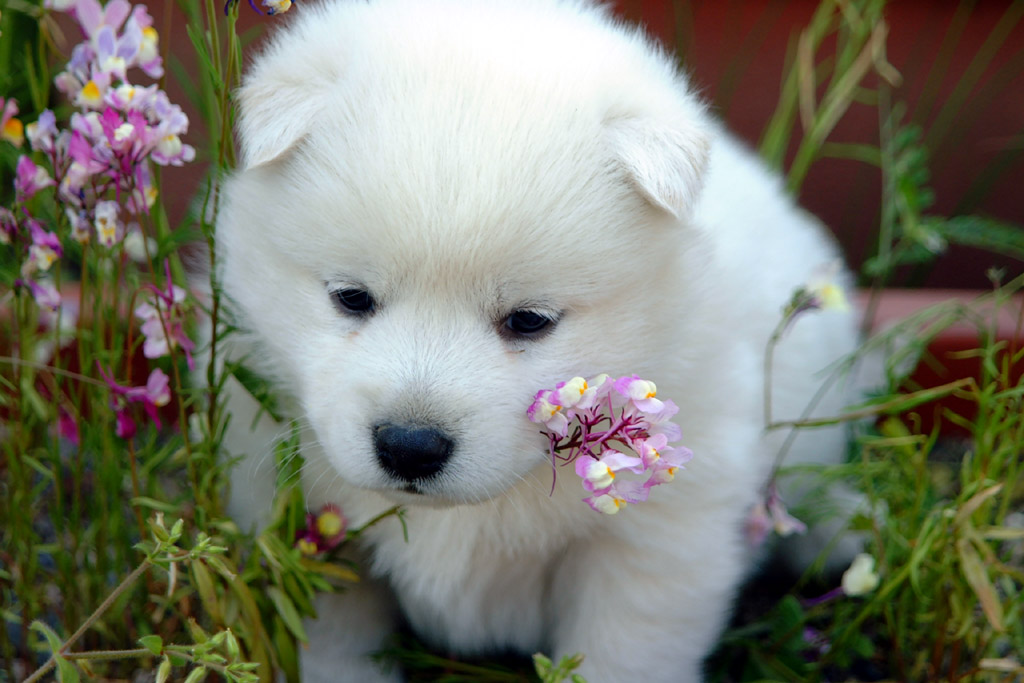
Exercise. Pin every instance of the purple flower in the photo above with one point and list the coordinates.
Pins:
(43, 132)
(141, 39)
(45, 294)
(92, 16)
(154, 395)
(44, 250)
(29, 178)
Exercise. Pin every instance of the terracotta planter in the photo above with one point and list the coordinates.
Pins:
(948, 360)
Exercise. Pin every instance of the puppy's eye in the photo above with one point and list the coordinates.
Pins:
(529, 324)
(352, 300)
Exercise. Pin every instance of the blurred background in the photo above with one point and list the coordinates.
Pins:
(961, 79)
(962, 68)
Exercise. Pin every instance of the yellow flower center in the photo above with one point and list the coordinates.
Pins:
(329, 524)
(90, 93)
(13, 132)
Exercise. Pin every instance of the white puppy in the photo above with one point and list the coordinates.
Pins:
(444, 206)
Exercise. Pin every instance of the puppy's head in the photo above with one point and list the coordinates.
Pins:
(444, 207)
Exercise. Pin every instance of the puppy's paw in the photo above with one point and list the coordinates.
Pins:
(349, 628)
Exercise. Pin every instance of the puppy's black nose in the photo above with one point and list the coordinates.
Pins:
(411, 453)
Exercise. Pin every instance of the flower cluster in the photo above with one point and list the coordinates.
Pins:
(154, 395)
(101, 164)
(323, 532)
(617, 426)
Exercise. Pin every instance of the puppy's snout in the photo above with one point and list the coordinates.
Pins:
(411, 453)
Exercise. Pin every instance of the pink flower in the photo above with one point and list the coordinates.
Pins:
(44, 250)
(29, 178)
(769, 515)
(11, 129)
(67, 427)
(616, 498)
(323, 532)
(607, 418)
(163, 321)
(125, 426)
(641, 392)
(599, 474)
(154, 395)
(545, 411)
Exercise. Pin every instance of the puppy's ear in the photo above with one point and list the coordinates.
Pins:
(665, 161)
(274, 115)
(284, 93)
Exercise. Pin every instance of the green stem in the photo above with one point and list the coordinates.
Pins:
(92, 619)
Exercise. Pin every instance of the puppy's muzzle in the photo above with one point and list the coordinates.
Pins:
(411, 453)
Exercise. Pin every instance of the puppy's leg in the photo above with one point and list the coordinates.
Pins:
(251, 441)
(349, 627)
(647, 614)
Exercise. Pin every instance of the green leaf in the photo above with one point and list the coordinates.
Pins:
(163, 672)
(154, 504)
(287, 654)
(977, 577)
(52, 639)
(153, 643)
(981, 233)
(788, 617)
(330, 570)
(207, 594)
(288, 613)
(66, 671)
(197, 674)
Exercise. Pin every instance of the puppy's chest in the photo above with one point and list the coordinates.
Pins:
(467, 596)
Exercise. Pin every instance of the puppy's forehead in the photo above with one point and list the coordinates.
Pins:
(437, 183)
(475, 141)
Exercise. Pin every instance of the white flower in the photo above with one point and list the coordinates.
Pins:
(860, 578)
(136, 244)
(827, 295)
(107, 225)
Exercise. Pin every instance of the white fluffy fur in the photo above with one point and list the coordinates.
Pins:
(462, 160)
